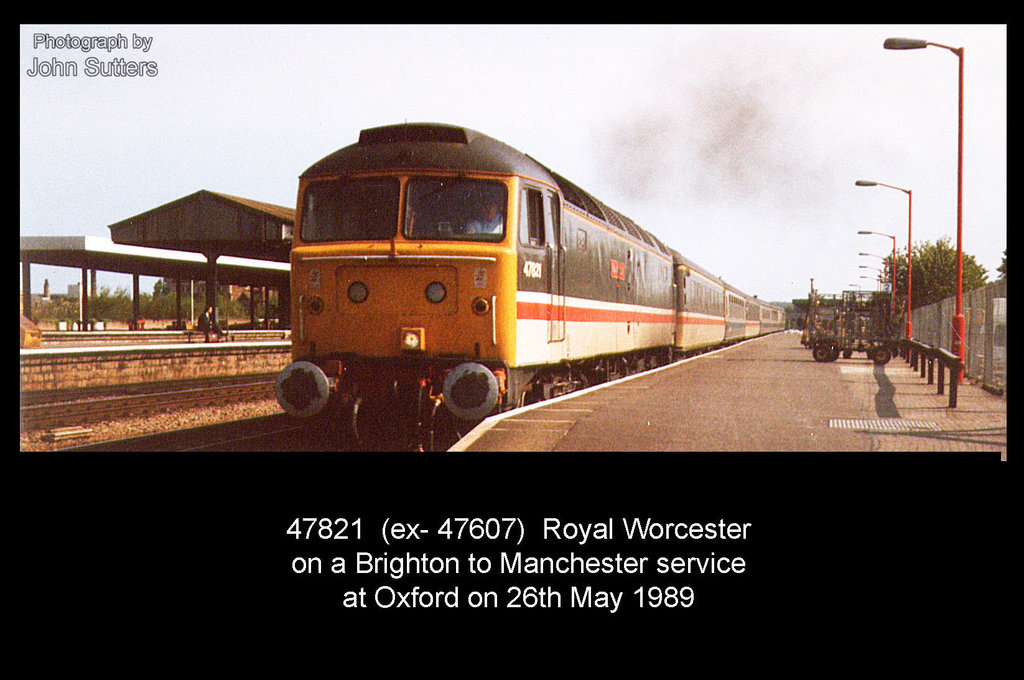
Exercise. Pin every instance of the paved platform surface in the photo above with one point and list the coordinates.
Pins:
(766, 394)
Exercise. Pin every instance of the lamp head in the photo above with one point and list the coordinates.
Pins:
(904, 44)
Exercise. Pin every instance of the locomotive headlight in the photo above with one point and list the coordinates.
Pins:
(481, 306)
(412, 339)
(358, 292)
(436, 292)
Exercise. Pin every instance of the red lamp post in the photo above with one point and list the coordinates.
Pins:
(959, 326)
(910, 248)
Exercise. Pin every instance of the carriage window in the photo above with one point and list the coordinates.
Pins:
(531, 218)
(455, 209)
(350, 210)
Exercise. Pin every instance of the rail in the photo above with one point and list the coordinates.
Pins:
(923, 358)
(55, 408)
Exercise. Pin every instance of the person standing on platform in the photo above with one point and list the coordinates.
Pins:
(208, 325)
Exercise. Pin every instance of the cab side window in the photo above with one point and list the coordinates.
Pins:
(531, 217)
(552, 216)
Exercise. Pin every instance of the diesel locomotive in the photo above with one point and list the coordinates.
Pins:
(439, 276)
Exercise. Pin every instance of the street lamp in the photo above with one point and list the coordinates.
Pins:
(958, 318)
(893, 294)
(877, 279)
(910, 214)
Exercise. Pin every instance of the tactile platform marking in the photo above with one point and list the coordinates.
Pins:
(882, 424)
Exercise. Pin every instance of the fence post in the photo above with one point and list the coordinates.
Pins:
(955, 366)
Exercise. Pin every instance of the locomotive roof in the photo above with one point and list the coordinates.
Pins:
(436, 145)
(427, 145)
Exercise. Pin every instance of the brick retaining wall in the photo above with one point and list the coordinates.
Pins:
(87, 367)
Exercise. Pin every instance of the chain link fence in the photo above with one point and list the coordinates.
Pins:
(985, 318)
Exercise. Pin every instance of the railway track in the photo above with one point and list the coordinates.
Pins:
(279, 432)
(60, 408)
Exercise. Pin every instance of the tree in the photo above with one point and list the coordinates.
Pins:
(163, 287)
(1002, 268)
(934, 275)
(116, 306)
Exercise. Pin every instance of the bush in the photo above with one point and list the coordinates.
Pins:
(117, 306)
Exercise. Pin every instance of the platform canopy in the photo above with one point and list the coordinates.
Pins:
(94, 252)
(212, 223)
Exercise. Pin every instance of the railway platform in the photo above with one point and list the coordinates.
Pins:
(85, 366)
(765, 394)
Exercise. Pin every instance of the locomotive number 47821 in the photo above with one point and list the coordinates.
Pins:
(532, 270)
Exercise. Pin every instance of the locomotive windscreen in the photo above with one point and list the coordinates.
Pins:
(459, 209)
(350, 210)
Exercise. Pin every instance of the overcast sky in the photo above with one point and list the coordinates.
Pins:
(737, 145)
